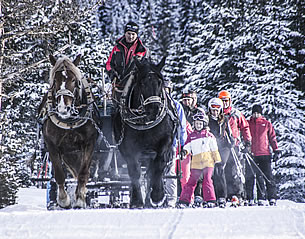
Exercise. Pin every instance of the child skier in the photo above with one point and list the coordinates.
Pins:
(202, 145)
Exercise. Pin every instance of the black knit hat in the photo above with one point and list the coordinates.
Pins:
(132, 27)
(257, 108)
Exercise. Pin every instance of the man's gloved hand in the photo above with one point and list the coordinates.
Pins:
(277, 155)
(247, 148)
(112, 74)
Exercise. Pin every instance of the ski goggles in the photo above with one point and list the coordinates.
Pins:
(198, 117)
(215, 106)
(225, 99)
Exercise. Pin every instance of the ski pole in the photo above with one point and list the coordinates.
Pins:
(254, 174)
(238, 166)
(259, 170)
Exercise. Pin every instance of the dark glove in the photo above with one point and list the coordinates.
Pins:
(277, 155)
(183, 152)
(112, 74)
(247, 147)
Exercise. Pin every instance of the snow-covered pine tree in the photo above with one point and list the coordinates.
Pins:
(249, 57)
(33, 30)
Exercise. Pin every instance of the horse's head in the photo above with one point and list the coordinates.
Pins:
(65, 82)
(150, 81)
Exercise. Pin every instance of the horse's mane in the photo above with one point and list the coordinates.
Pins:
(67, 63)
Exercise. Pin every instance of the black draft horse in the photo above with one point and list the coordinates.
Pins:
(68, 128)
(145, 130)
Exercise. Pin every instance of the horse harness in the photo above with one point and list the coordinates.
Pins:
(135, 117)
(82, 114)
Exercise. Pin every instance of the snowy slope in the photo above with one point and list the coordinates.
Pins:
(30, 219)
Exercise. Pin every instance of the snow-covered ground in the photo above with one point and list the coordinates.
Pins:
(30, 219)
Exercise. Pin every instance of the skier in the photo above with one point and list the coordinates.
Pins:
(234, 167)
(202, 145)
(219, 127)
(263, 136)
(190, 106)
(171, 183)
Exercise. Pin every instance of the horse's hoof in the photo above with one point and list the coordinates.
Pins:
(64, 202)
(79, 204)
(136, 206)
(157, 204)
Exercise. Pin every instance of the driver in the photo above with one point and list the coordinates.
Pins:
(126, 47)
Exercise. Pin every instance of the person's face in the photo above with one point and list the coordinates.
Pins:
(130, 36)
(226, 102)
(215, 112)
(187, 102)
(194, 96)
(198, 124)
(256, 115)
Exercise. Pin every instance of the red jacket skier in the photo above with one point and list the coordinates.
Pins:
(234, 166)
(263, 136)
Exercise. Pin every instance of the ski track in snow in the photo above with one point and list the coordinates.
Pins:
(30, 219)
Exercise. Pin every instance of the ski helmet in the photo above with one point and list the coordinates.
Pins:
(186, 95)
(225, 96)
(215, 103)
(201, 116)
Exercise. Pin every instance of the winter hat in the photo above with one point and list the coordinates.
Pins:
(257, 108)
(132, 27)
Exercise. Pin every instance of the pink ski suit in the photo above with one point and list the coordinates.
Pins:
(203, 147)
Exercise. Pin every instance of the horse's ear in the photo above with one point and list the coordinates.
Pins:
(161, 63)
(77, 60)
(137, 62)
(52, 60)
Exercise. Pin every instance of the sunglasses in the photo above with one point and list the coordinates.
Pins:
(226, 100)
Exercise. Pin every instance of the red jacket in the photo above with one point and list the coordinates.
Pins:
(263, 136)
(121, 55)
(238, 123)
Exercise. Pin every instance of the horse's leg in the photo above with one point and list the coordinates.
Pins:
(63, 198)
(157, 194)
(83, 175)
(134, 171)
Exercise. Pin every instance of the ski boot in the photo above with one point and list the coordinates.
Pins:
(198, 201)
(52, 205)
(249, 203)
(211, 204)
(235, 201)
(261, 202)
(183, 205)
(272, 202)
(221, 202)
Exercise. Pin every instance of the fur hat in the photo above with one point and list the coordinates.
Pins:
(132, 27)
(257, 108)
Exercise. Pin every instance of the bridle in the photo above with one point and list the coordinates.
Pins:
(137, 118)
(80, 113)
